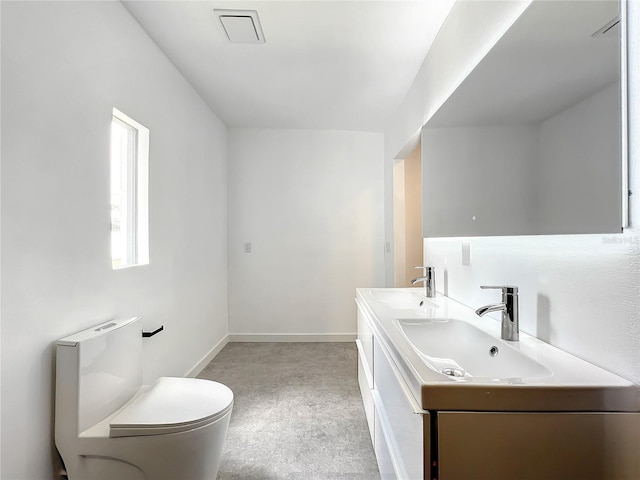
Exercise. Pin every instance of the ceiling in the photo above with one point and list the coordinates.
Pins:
(343, 65)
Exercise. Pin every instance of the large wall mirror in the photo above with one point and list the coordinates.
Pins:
(532, 141)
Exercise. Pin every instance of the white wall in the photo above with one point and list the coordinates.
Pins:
(578, 292)
(64, 66)
(310, 202)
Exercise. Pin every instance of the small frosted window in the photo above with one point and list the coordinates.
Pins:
(129, 192)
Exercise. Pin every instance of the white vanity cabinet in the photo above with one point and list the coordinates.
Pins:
(419, 435)
(365, 368)
(403, 430)
(400, 435)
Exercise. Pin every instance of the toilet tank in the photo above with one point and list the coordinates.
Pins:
(97, 371)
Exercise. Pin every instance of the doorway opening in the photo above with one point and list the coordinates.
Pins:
(407, 217)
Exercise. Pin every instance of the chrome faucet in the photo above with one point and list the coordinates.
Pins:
(509, 309)
(429, 279)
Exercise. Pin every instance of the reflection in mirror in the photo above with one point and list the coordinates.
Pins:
(530, 143)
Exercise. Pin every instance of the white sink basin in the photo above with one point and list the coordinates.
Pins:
(402, 299)
(443, 350)
(458, 349)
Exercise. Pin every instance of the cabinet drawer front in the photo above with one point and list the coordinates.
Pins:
(365, 337)
(404, 429)
(367, 398)
(534, 446)
(383, 454)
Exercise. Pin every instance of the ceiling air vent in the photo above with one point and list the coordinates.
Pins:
(240, 26)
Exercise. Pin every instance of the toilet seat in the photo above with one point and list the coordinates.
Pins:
(172, 405)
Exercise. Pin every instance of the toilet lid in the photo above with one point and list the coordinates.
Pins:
(172, 405)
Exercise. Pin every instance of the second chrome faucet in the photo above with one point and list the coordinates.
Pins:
(509, 308)
(429, 279)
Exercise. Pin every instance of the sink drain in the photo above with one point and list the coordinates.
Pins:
(493, 351)
(453, 372)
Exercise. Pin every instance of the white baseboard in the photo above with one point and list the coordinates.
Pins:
(198, 367)
(292, 337)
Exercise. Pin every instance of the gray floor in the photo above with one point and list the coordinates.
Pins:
(297, 413)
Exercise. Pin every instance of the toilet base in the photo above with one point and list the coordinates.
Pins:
(191, 455)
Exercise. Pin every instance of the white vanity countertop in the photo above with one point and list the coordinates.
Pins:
(573, 385)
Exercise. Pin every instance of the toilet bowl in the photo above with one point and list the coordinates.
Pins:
(110, 426)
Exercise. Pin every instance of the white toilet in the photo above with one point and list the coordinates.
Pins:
(109, 426)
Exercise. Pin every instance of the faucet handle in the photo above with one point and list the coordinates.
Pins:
(506, 289)
(424, 269)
